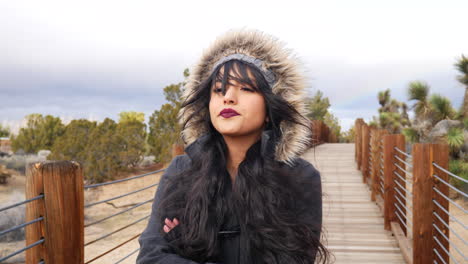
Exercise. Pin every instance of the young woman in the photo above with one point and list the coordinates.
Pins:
(241, 193)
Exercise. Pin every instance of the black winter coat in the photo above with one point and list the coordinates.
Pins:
(154, 248)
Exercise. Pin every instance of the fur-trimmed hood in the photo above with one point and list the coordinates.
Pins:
(289, 84)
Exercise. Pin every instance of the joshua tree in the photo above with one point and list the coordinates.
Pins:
(429, 111)
(419, 91)
(462, 67)
(392, 114)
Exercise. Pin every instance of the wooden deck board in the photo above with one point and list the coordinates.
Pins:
(353, 224)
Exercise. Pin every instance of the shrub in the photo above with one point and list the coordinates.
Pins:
(459, 168)
(13, 217)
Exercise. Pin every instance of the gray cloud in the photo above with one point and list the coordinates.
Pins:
(87, 60)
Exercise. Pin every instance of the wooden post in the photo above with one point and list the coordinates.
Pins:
(355, 139)
(365, 152)
(379, 182)
(358, 144)
(440, 156)
(390, 141)
(34, 210)
(373, 154)
(316, 132)
(423, 206)
(326, 134)
(63, 211)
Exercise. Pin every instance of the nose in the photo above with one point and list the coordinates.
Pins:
(230, 97)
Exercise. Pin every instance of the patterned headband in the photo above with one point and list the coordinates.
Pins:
(267, 74)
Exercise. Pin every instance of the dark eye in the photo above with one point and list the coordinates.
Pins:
(247, 89)
(217, 90)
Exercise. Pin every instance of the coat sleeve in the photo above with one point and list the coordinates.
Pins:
(311, 213)
(154, 249)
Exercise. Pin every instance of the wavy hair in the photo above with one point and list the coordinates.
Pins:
(264, 197)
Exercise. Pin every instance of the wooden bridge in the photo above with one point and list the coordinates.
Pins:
(381, 204)
(354, 225)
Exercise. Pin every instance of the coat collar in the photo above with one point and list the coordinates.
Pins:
(196, 147)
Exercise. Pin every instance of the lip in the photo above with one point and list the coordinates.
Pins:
(228, 112)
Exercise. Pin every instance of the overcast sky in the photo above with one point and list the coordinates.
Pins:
(94, 59)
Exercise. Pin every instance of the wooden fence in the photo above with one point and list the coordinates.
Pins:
(321, 133)
(411, 189)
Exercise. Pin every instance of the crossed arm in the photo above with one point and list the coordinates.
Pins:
(154, 249)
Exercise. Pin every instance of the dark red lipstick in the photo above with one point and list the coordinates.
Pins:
(228, 112)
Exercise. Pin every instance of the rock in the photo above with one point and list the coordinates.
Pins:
(43, 153)
(146, 161)
(440, 130)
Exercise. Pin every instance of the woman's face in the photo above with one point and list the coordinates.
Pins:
(249, 106)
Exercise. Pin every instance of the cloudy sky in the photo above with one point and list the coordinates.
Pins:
(94, 59)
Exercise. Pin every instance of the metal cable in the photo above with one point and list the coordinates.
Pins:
(382, 173)
(403, 205)
(133, 252)
(402, 196)
(448, 226)
(120, 196)
(450, 200)
(382, 190)
(449, 173)
(401, 212)
(450, 242)
(452, 187)
(112, 249)
(381, 184)
(400, 159)
(445, 250)
(23, 249)
(398, 166)
(121, 212)
(403, 188)
(401, 178)
(115, 231)
(20, 226)
(121, 180)
(449, 214)
(401, 220)
(402, 152)
(440, 257)
(23, 202)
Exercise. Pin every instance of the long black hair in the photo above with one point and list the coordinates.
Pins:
(264, 197)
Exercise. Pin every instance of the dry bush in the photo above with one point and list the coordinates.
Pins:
(13, 217)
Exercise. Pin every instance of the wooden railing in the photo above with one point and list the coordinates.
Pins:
(412, 191)
(321, 133)
(55, 214)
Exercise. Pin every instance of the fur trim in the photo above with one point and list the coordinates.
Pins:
(289, 84)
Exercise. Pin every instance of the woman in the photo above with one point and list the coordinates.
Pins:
(241, 193)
